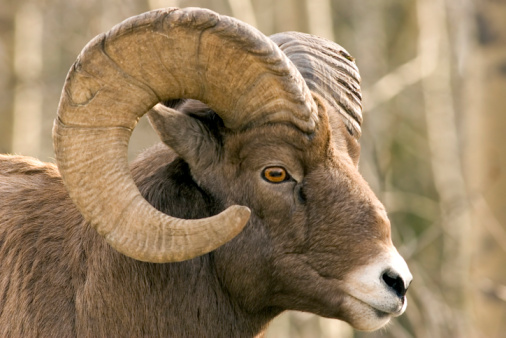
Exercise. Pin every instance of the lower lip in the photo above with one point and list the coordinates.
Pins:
(381, 314)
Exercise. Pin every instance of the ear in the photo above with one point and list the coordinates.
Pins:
(341, 135)
(353, 147)
(188, 136)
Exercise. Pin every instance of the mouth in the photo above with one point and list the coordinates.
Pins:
(384, 310)
(369, 317)
(381, 314)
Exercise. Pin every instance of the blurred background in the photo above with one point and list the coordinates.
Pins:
(433, 144)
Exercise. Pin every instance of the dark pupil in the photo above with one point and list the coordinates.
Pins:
(275, 173)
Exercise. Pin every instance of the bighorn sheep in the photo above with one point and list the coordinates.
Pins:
(267, 209)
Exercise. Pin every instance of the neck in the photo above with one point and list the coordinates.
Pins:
(209, 310)
(183, 299)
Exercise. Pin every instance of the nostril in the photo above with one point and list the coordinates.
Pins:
(395, 282)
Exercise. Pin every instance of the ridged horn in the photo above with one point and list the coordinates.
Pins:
(159, 56)
(329, 70)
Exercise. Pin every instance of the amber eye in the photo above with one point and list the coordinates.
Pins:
(275, 174)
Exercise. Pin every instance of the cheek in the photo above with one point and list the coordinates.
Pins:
(244, 265)
(283, 219)
(274, 202)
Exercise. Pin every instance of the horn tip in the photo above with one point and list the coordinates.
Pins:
(242, 214)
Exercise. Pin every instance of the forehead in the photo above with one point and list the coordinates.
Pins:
(273, 142)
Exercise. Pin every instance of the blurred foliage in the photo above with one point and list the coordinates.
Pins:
(434, 87)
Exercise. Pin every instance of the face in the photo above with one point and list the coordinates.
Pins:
(318, 239)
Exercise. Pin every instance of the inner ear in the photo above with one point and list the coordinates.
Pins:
(191, 131)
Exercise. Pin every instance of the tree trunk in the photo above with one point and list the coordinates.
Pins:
(7, 8)
(28, 93)
(486, 121)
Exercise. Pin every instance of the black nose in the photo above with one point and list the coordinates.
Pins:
(395, 282)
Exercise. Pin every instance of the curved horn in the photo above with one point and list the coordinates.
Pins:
(329, 70)
(159, 56)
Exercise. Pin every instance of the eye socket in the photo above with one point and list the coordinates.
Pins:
(275, 175)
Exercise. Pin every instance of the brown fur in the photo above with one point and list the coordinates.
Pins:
(59, 278)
